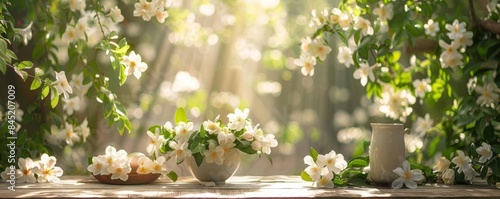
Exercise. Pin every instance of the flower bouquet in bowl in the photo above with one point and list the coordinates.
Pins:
(213, 152)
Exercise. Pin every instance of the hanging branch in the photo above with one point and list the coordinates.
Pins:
(488, 25)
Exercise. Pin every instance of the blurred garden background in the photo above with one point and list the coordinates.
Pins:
(210, 56)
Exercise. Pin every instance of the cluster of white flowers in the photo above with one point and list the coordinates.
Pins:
(461, 38)
(407, 177)
(311, 50)
(148, 9)
(29, 171)
(462, 164)
(322, 170)
(489, 94)
(119, 164)
(396, 104)
(221, 147)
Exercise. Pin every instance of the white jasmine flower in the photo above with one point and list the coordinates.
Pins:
(82, 27)
(19, 113)
(47, 171)
(168, 126)
(267, 142)
(97, 167)
(456, 29)
(313, 170)
(345, 56)
(6, 176)
(422, 87)
(144, 9)
(212, 127)
(333, 162)
(489, 95)
(485, 151)
(62, 85)
(71, 105)
(69, 134)
(155, 141)
(396, 104)
(423, 124)
(134, 65)
(75, 5)
(318, 19)
(305, 45)
(469, 173)
(26, 167)
(71, 34)
(215, 155)
(335, 15)
(345, 20)
(83, 130)
(144, 165)
(324, 182)
(180, 151)
(364, 25)
(112, 156)
(77, 84)
(431, 28)
(237, 120)
(442, 165)
(225, 136)
(250, 132)
(384, 12)
(462, 161)
(120, 170)
(364, 72)
(464, 39)
(406, 176)
(25, 33)
(116, 14)
(161, 16)
(307, 63)
(183, 131)
(159, 166)
(318, 49)
(450, 56)
(449, 177)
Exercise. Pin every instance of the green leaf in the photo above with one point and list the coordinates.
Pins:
(172, 175)
(180, 116)
(3, 66)
(358, 162)
(55, 99)
(25, 65)
(198, 158)
(36, 83)
(495, 167)
(305, 176)
(314, 154)
(45, 91)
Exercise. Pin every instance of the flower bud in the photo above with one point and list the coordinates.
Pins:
(449, 176)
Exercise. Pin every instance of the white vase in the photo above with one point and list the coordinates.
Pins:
(211, 172)
(387, 152)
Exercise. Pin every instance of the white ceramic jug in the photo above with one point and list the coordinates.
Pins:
(387, 152)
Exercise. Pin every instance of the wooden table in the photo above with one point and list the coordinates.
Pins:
(235, 187)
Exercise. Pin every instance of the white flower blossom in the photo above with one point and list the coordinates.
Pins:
(456, 29)
(465, 39)
(462, 161)
(313, 170)
(155, 142)
(71, 105)
(180, 151)
(333, 162)
(112, 156)
(364, 72)
(307, 63)
(134, 65)
(450, 56)
(318, 49)
(144, 165)
(345, 56)
(406, 176)
(237, 120)
(384, 12)
(26, 168)
(225, 136)
(431, 28)
(62, 84)
(318, 19)
(47, 171)
(345, 20)
(97, 167)
(442, 165)
(120, 169)
(6, 174)
(485, 151)
(161, 15)
(267, 143)
(116, 14)
(83, 130)
(183, 131)
(422, 87)
(69, 134)
(159, 166)
(144, 9)
(423, 124)
(396, 104)
(77, 85)
(364, 25)
(25, 33)
(489, 95)
(449, 177)
(215, 155)
(212, 127)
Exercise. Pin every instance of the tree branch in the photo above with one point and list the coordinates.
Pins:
(488, 25)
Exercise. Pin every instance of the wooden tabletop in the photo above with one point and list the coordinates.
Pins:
(235, 187)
